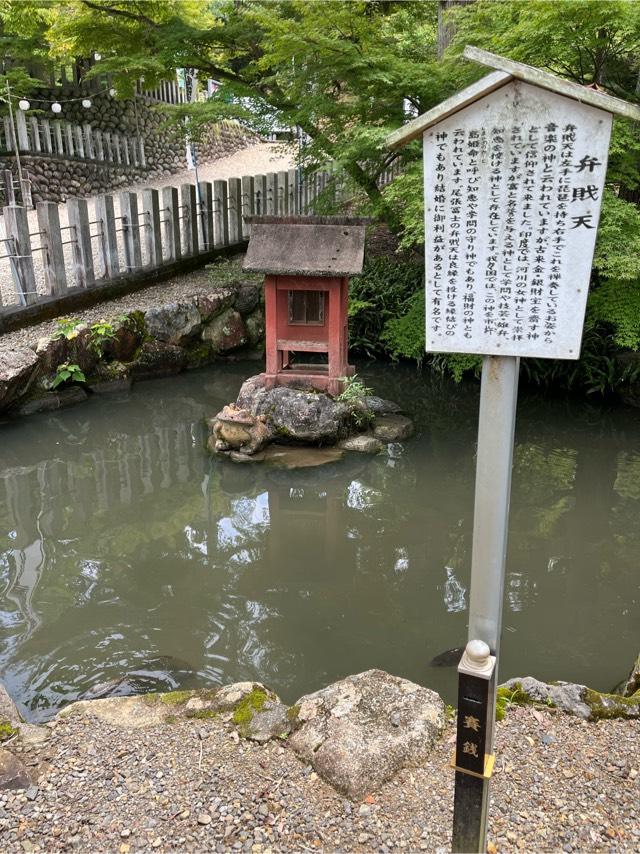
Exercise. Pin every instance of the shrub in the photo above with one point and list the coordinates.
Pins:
(382, 292)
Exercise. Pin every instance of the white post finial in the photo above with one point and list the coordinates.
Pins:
(477, 660)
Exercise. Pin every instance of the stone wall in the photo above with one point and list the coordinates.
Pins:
(163, 144)
(165, 340)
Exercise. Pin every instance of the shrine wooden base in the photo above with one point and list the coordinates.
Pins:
(315, 376)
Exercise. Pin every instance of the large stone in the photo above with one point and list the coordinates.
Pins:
(288, 457)
(632, 683)
(83, 349)
(13, 774)
(295, 414)
(174, 323)
(226, 331)
(247, 298)
(380, 406)
(18, 369)
(158, 359)
(255, 327)
(363, 443)
(126, 340)
(214, 302)
(52, 400)
(51, 352)
(569, 697)
(253, 710)
(359, 732)
(392, 428)
(8, 709)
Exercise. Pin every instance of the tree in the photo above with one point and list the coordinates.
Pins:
(591, 43)
(340, 71)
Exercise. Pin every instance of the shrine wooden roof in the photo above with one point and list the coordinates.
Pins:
(506, 71)
(306, 246)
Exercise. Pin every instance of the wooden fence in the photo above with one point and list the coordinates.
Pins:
(133, 231)
(36, 135)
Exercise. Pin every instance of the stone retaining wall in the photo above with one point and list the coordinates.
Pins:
(55, 179)
(159, 342)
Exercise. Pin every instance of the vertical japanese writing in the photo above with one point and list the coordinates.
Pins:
(506, 197)
(439, 229)
(496, 175)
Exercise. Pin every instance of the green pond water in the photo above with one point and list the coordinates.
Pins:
(128, 553)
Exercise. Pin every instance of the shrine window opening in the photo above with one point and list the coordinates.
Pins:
(306, 308)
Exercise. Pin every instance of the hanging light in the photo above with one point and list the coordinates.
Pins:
(24, 104)
(86, 103)
(56, 107)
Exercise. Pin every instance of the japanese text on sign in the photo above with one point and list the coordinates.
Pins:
(513, 187)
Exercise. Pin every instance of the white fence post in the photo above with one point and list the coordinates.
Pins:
(260, 194)
(283, 193)
(35, 134)
(270, 193)
(206, 215)
(81, 236)
(248, 202)
(152, 229)
(221, 214)
(189, 206)
(55, 274)
(131, 231)
(105, 215)
(171, 211)
(235, 210)
(16, 225)
(21, 130)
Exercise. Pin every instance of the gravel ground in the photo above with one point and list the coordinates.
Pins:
(254, 160)
(560, 785)
(172, 290)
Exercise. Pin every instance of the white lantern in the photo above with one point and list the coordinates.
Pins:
(56, 107)
(86, 103)
(97, 56)
(24, 104)
(113, 93)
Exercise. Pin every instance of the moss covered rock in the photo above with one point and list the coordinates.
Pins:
(575, 699)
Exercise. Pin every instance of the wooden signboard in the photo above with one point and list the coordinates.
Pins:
(513, 187)
(514, 174)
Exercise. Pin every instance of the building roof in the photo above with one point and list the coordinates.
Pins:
(505, 71)
(305, 246)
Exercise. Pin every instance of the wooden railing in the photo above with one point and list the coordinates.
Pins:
(125, 233)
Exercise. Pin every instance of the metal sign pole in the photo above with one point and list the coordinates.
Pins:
(498, 399)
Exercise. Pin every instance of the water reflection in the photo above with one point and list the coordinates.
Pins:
(124, 545)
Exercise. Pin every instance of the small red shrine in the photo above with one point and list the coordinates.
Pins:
(307, 263)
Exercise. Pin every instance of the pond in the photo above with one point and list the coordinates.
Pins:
(127, 551)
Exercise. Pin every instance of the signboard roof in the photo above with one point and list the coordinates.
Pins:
(506, 70)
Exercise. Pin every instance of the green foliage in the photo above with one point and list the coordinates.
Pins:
(405, 335)
(340, 71)
(67, 328)
(355, 390)
(383, 291)
(67, 373)
(7, 730)
(101, 332)
(354, 395)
